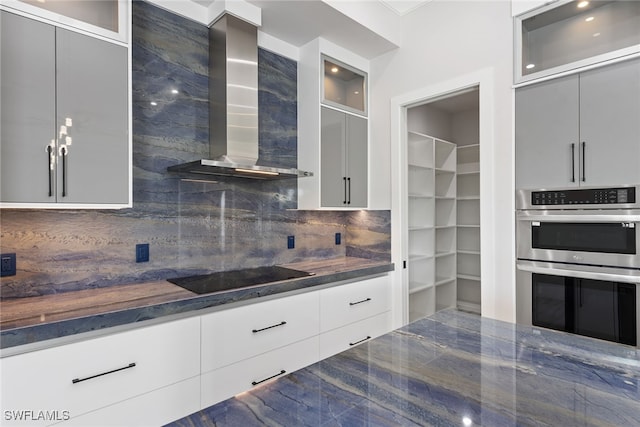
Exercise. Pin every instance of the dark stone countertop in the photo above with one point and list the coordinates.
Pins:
(450, 369)
(36, 319)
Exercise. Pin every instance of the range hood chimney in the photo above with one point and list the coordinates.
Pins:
(233, 111)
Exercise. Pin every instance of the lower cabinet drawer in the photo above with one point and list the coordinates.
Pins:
(155, 408)
(229, 336)
(92, 374)
(226, 382)
(344, 304)
(341, 339)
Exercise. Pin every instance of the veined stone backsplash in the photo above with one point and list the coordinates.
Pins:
(191, 227)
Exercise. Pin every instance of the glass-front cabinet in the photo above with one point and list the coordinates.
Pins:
(106, 18)
(344, 87)
(566, 35)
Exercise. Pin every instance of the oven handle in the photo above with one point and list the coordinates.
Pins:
(553, 270)
(600, 217)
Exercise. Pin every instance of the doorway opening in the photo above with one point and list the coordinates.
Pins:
(441, 227)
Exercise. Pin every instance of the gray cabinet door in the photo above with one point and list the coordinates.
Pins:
(610, 125)
(357, 161)
(547, 134)
(27, 109)
(92, 83)
(333, 178)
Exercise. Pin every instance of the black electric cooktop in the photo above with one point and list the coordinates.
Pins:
(236, 279)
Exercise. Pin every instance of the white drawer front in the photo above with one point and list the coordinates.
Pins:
(107, 370)
(226, 382)
(349, 303)
(155, 408)
(344, 338)
(236, 334)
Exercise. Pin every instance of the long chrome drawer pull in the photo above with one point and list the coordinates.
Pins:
(282, 372)
(269, 327)
(79, 380)
(360, 302)
(362, 340)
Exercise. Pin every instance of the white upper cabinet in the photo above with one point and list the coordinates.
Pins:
(580, 130)
(65, 139)
(106, 18)
(568, 35)
(333, 135)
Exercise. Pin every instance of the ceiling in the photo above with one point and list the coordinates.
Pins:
(298, 22)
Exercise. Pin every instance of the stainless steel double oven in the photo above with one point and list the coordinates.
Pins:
(578, 261)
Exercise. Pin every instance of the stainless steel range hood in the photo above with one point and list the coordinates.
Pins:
(233, 100)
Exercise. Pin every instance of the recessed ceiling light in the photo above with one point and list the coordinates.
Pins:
(334, 69)
(174, 91)
(154, 103)
(466, 421)
(596, 34)
(530, 66)
(583, 4)
(356, 92)
(589, 19)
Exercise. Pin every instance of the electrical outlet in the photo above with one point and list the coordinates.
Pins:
(291, 242)
(142, 252)
(338, 238)
(7, 265)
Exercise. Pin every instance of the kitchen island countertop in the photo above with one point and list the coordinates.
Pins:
(38, 319)
(451, 369)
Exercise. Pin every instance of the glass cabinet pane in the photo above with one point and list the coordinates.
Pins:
(101, 13)
(344, 86)
(575, 34)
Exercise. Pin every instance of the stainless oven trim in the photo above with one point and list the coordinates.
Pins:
(618, 215)
(581, 271)
(523, 200)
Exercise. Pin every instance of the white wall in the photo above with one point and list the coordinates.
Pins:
(441, 41)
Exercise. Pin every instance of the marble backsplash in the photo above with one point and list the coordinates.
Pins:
(191, 227)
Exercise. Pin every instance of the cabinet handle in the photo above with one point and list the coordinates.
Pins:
(49, 169)
(255, 331)
(360, 302)
(573, 162)
(358, 342)
(349, 197)
(79, 380)
(584, 153)
(344, 179)
(580, 292)
(282, 372)
(64, 171)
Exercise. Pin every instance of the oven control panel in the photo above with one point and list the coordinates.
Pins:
(592, 196)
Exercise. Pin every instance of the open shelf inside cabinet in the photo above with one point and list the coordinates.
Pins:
(445, 185)
(422, 304)
(468, 159)
(446, 295)
(420, 181)
(420, 150)
(421, 273)
(420, 242)
(445, 155)
(421, 212)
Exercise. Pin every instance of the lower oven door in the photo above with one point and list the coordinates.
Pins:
(605, 238)
(600, 304)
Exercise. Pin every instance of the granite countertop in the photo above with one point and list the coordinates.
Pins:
(451, 369)
(36, 319)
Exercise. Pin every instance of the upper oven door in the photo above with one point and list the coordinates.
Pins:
(604, 237)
